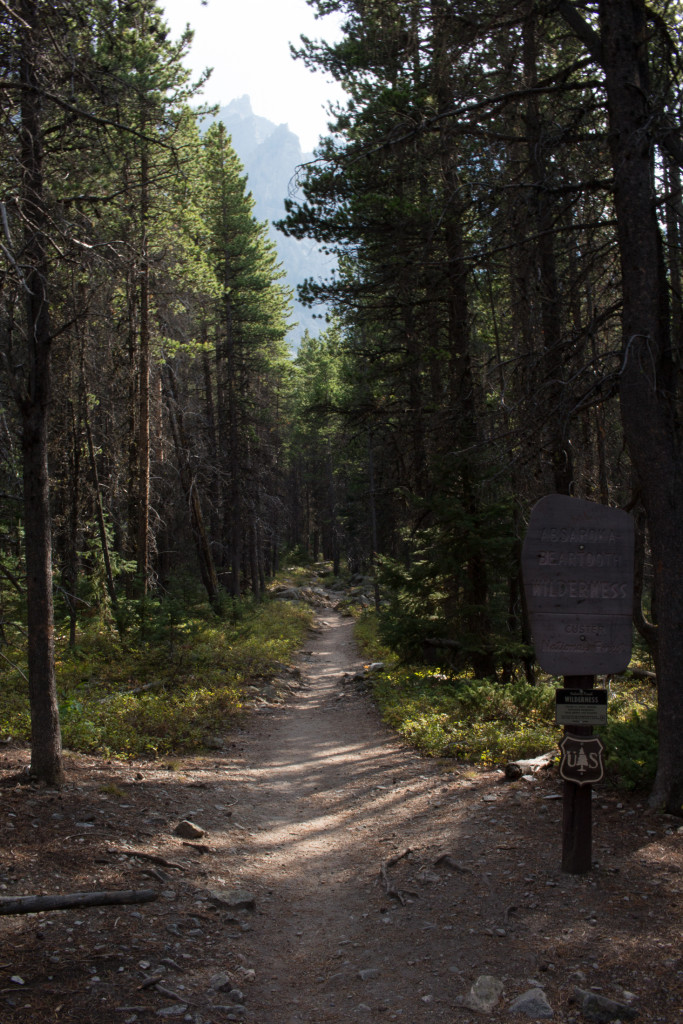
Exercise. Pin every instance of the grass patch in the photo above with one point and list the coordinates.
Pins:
(489, 723)
(470, 720)
(367, 638)
(196, 665)
(111, 789)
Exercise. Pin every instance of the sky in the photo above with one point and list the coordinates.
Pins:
(247, 44)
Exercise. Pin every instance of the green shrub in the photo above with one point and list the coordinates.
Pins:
(367, 637)
(484, 722)
(438, 594)
(468, 719)
(199, 665)
(631, 749)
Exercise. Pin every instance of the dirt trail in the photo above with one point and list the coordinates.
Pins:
(330, 805)
(334, 796)
(311, 799)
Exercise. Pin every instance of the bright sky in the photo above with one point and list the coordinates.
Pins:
(246, 42)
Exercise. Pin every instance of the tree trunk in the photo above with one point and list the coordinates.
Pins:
(46, 744)
(101, 525)
(253, 560)
(143, 421)
(548, 295)
(70, 572)
(202, 545)
(131, 539)
(75, 900)
(647, 381)
(212, 442)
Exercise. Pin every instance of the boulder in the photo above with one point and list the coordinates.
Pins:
(602, 1010)
(534, 1004)
(188, 830)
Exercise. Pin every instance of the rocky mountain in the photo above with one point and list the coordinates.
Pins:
(271, 154)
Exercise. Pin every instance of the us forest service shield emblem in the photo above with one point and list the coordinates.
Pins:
(582, 759)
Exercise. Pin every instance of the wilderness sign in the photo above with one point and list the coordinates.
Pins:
(577, 566)
(580, 707)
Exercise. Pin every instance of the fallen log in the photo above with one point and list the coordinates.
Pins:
(641, 673)
(515, 769)
(75, 900)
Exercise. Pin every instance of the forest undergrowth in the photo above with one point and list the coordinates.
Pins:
(453, 715)
(167, 684)
(179, 673)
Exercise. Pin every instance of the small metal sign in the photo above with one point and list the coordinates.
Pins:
(577, 566)
(582, 759)
(580, 707)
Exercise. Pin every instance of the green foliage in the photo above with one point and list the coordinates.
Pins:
(254, 307)
(437, 594)
(15, 719)
(631, 746)
(468, 719)
(484, 722)
(198, 665)
(111, 789)
(367, 636)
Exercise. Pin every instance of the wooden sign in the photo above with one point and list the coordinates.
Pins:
(582, 759)
(577, 567)
(580, 707)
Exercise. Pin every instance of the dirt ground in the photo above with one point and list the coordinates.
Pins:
(320, 891)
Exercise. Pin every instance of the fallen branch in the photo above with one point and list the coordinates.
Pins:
(152, 980)
(70, 900)
(84, 835)
(397, 857)
(398, 894)
(143, 855)
(176, 995)
(641, 673)
(157, 873)
(198, 847)
(156, 685)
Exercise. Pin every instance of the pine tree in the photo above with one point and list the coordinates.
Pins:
(64, 89)
(248, 325)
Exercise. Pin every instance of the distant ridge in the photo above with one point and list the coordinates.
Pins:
(271, 154)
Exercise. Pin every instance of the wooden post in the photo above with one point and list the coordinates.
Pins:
(577, 802)
(577, 566)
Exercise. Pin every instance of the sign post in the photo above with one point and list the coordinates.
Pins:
(577, 798)
(577, 566)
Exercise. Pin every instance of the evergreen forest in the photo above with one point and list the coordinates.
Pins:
(501, 190)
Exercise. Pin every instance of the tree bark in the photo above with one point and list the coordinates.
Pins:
(75, 900)
(546, 274)
(101, 525)
(201, 540)
(648, 375)
(143, 447)
(46, 745)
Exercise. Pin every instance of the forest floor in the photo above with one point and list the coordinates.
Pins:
(317, 893)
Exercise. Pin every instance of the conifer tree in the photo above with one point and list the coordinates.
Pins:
(63, 84)
(248, 324)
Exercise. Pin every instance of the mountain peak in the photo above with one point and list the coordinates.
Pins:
(271, 154)
(239, 107)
